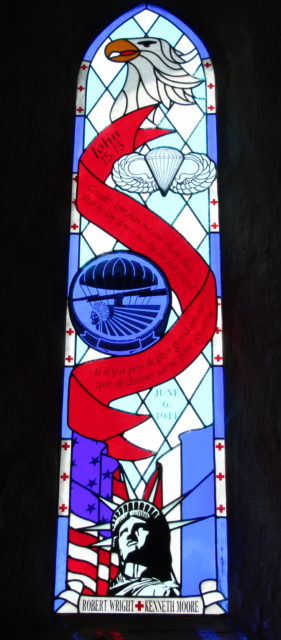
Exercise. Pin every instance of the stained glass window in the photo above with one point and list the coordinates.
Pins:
(142, 503)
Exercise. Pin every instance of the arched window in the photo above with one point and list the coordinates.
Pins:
(142, 505)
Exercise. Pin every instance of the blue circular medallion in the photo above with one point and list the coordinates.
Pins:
(119, 303)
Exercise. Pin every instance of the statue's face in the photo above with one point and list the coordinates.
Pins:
(132, 536)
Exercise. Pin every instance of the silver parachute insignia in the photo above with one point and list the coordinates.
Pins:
(164, 164)
(164, 168)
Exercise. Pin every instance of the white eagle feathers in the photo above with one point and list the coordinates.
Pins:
(156, 75)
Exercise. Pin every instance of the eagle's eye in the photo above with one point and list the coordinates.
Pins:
(147, 43)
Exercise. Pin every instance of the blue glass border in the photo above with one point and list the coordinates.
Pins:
(61, 558)
(113, 25)
(66, 432)
(183, 27)
(131, 13)
(218, 378)
(212, 136)
(215, 259)
(79, 141)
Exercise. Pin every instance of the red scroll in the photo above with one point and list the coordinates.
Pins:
(95, 384)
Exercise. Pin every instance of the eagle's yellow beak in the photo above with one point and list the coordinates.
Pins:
(121, 51)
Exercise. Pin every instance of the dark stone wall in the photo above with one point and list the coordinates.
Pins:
(44, 43)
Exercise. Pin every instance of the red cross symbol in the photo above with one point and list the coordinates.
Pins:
(139, 606)
(220, 508)
(218, 330)
(79, 109)
(69, 358)
(214, 225)
(75, 178)
(211, 85)
(211, 107)
(63, 508)
(214, 201)
(74, 226)
(220, 476)
(207, 64)
(80, 88)
(219, 446)
(84, 66)
(69, 331)
(65, 446)
(64, 476)
(218, 358)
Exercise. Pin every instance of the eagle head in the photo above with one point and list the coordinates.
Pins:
(155, 74)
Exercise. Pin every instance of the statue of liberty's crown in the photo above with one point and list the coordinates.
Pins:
(136, 508)
(139, 508)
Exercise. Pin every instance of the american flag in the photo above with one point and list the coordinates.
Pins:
(94, 474)
(95, 566)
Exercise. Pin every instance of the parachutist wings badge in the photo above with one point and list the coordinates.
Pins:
(164, 168)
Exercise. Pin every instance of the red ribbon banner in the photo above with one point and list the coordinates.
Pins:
(95, 384)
